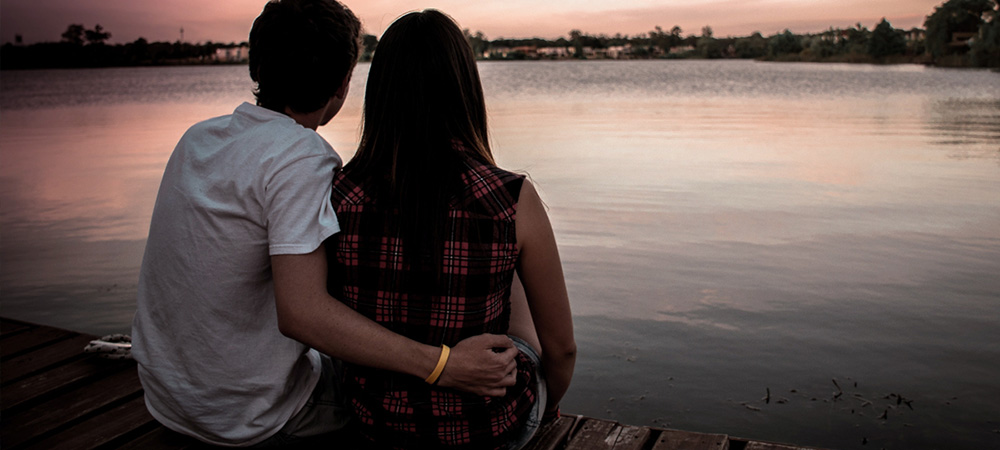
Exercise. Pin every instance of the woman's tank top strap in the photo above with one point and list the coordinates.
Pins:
(489, 191)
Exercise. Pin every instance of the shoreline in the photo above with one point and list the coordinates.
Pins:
(853, 61)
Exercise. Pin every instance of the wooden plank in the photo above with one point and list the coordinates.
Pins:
(754, 445)
(22, 393)
(115, 425)
(69, 408)
(42, 358)
(35, 337)
(686, 440)
(553, 435)
(594, 434)
(54, 396)
(161, 438)
(632, 437)
(9, 327)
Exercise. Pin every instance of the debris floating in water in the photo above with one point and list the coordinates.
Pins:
(750, 407)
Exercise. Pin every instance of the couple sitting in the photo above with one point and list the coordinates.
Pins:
(281, 297)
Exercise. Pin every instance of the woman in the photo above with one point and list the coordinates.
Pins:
(432, 235)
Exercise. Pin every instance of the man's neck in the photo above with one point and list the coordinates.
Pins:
(311, 120)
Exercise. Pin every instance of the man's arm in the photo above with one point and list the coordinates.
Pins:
(308, 314)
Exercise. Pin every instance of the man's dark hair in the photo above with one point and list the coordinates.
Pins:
(301, 51)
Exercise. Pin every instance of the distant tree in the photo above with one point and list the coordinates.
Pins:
(18, 39)
(675, 36)
(482, 43)
(821, 46)
(785, 43)
(985, 48)
(857, 40)
(659, 39)
(638, 41)
(754, 46)
(368, 44)
(74, 34)
(137, 52)
(709, 47)
(953, 16)
(599, 41)
(477, 42)
(97, 36)
(886, 40)
(576, 38)
(666, 40)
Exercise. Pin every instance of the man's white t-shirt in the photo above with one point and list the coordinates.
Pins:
(237, 190)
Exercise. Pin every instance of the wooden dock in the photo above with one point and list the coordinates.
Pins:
(54, 396)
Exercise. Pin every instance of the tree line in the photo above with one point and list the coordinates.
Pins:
(956, 33)
(82, 47)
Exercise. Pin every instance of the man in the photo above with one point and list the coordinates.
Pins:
(232, 290)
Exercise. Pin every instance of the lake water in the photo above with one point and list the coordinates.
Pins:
(728, 229)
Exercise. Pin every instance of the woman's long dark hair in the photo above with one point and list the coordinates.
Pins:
(423, 97)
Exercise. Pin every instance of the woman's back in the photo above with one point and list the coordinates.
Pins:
(461, 291)
(430, 244)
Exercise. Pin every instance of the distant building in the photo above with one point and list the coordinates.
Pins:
(233, 54)
(836, 36)
(595, 53)
(961, 39)
(555, 52)
(522, 52)
(498, 52)
(620, 51)
(530, 51)
(914, 35)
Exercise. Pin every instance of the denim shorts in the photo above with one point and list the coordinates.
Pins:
(323, 413)
(534, 419)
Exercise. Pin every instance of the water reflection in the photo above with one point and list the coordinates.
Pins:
(730, 226)
(88, 172)
(964, 123)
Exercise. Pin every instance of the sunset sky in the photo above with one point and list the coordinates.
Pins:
(230, 20)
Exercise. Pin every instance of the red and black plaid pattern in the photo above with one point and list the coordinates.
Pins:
(467, 294)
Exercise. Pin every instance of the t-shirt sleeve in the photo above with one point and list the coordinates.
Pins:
(298, 212)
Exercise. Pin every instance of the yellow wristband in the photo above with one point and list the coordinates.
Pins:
(442, 361)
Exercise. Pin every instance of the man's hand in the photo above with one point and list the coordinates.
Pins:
(474, 366)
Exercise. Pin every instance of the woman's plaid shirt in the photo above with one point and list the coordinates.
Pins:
(466, 295)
